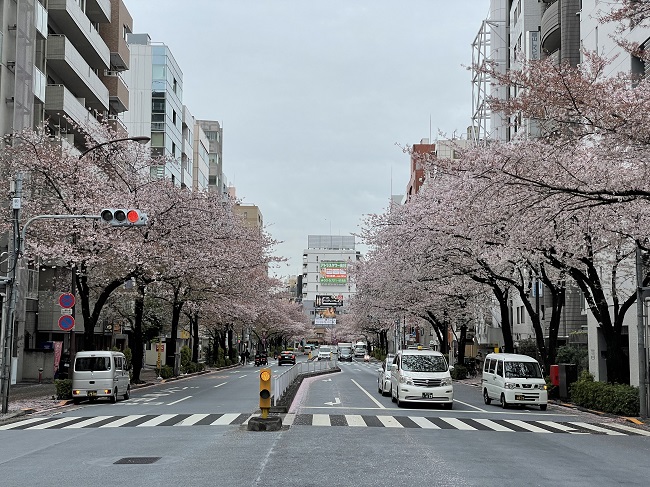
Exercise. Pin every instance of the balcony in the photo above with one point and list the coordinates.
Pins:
(60, 104)
(99, 10)
(550, 30)
(78, 28)
(76, 74)
(118, 92)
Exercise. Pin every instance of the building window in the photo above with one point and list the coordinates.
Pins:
(174, 117)
(175, 85)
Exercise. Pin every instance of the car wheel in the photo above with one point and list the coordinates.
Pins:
(127, 394)
(504, 404)
(113, 398)
(486, 397)
(399, 403)
(448, 405)
(380, 389)
(392, 397)
(76, 401)
(542, 407)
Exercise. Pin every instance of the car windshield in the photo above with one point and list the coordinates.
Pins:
(324, 349)
(424, 363)
(91, 364)
(522, 370)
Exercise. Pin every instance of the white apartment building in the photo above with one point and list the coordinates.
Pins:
(326, 286)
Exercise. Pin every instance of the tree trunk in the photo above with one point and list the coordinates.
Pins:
(195, 334)
(137, 347)
(461, 344)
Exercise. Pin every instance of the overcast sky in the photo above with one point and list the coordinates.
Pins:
(316, 97)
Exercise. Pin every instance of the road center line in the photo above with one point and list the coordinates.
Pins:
(369, 395)
(219, 385)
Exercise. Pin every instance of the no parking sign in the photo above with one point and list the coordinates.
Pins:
(66, 322)
(66, 300)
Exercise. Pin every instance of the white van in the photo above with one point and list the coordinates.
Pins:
(421, 376)
(513, 379)
(100, 373)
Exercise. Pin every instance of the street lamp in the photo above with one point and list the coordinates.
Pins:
(142, 139)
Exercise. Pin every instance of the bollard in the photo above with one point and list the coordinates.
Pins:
(40, 375)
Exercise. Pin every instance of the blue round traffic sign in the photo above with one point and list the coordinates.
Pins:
(66, 322)
(66, 300)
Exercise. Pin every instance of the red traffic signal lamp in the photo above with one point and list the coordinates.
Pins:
(265, 392)
(120, 217)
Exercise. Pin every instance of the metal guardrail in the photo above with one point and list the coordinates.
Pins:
(280, 383)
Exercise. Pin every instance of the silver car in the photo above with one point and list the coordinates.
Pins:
(383, 381)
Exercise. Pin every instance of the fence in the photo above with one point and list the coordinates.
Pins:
(281, 383)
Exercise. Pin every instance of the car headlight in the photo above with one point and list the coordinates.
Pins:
(509, 385)
(446, 381)
(542, 386)
(405, 379)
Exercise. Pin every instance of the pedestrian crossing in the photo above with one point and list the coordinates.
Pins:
(328, 420)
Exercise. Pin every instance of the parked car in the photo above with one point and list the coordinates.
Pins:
(100, 374)
(324, 353)
(345, 354)
(287, 357)
(513, 379)
(421, 376)
(383, 381)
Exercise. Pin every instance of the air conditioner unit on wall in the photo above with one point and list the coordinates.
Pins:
(108, 72)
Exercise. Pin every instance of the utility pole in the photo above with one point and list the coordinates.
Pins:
(8, 324)
(641, 294)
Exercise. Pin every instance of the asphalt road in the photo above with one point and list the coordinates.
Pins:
(339, 431)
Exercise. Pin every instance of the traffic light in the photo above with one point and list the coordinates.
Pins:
(265, 392)
(120, 217)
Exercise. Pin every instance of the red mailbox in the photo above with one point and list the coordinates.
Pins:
(555, 375)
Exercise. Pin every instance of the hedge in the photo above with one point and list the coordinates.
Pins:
(619, 399)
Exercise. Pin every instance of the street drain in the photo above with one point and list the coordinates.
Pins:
(136, 460)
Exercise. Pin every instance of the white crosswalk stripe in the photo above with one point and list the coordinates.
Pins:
(424, 423)
(321, 420)
(354, 420)
(390, 422)
(493, 426)
(593, 427)
(327, 420)
(122, 421)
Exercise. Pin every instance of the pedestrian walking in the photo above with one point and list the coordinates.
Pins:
(246, 356)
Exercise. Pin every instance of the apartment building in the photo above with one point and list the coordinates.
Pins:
(559, 30)
(61, 60)
(214, 132)
(326, 287)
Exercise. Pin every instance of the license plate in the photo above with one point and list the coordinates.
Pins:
(519, 398)
(92, 393)
(427, 395)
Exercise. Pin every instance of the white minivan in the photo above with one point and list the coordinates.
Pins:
(513, 379)
(421, 376)
(100, 373)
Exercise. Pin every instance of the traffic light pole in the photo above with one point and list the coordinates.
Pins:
(12, 284)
